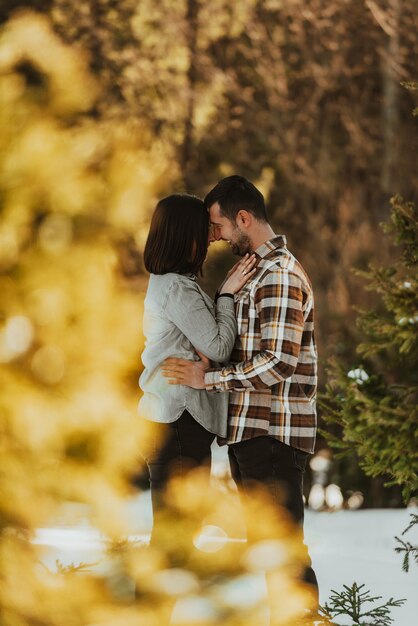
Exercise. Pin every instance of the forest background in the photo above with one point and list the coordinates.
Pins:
(309, 100)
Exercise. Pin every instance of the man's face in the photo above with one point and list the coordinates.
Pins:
(223, 228)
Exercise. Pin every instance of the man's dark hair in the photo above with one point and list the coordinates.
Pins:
(235, 193)
(178, 236)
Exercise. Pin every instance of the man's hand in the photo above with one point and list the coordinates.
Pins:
(183, 372)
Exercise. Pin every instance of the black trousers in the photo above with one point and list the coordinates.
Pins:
(278, 469)
(176, 449)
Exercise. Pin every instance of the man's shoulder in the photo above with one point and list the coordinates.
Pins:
(281, 265)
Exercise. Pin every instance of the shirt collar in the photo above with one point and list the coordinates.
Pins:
(277, 242)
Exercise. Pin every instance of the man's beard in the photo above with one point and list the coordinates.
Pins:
(242, 245)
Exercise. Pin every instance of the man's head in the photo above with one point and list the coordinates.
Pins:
(237, 210)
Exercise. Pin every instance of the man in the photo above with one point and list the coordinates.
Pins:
(271, 378)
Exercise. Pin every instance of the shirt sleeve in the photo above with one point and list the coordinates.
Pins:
(187, 309)
(279, 306)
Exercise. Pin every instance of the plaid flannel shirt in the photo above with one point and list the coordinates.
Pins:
(272, 374)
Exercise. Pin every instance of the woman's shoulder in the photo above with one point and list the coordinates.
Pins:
(173, 285)
(171, 278)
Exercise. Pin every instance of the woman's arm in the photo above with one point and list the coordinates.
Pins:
(187, 309)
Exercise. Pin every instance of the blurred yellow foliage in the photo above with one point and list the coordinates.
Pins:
(71, 187)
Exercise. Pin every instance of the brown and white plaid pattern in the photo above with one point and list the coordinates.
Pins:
(272, 375)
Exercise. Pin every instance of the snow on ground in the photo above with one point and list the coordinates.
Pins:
(358, 546)
(345, 546)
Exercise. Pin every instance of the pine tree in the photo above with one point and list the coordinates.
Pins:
(375, 400)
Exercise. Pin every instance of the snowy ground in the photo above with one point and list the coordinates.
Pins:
(345, 546)
(349, 546)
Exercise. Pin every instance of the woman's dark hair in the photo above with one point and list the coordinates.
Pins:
(235, 193)
(178, 236)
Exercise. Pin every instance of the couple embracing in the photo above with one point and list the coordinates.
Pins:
(242, 367)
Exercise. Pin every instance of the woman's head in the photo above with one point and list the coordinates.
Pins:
(178, 236)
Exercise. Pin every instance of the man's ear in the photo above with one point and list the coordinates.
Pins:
(244, 218)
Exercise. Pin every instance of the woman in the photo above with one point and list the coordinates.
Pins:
(180, 319)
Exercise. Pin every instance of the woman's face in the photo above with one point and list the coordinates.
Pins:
(213, 233)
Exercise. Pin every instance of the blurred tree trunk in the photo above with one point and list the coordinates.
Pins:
(192, 21)
(391, 80)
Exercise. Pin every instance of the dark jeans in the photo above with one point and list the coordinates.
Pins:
(277, 468)
(177, 448)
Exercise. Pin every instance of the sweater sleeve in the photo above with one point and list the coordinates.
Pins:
(187, 309)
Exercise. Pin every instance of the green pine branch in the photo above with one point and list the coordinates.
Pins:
(355, 602)
(410, 551)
